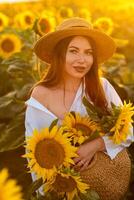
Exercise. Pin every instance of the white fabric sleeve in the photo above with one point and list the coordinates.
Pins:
(29, 124)
(113, 149)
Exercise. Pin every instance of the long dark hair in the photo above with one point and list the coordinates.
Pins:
(93, 85)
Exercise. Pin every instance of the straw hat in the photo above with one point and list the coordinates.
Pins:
(72, 27)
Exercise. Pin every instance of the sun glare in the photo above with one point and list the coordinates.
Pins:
(16, 1)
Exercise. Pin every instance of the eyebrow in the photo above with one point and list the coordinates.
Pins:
(78, 48)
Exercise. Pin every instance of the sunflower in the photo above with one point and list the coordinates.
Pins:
(85, 13)
(120, 131)
(9, 190)
(45, 24)
(24, 19)
(64, 13)
(49, 12)
(81, 127)
(66, 183)
(9, 44)
(48, 151)
(104, 24)
(4, 21)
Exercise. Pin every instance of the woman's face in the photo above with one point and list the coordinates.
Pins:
(79, 57)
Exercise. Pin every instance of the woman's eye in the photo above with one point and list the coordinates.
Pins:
(73, 51)
(89, 53)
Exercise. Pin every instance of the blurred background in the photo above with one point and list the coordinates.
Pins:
(21, 24)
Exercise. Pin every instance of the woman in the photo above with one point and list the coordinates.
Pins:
(73, 51)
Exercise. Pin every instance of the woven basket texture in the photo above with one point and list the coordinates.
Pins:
(110, 178)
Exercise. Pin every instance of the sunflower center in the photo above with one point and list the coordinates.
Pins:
(44, 24)
(82, 127)
(1, 22)
(63, 184)
(105, 25)
(64, 13)
(7, 45)
(49, 153)
(28, 20)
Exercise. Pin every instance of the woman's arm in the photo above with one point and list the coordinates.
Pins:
(87, 151)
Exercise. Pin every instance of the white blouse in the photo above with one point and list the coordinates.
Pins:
(38, 116)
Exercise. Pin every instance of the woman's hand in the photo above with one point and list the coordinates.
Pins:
(86, 153)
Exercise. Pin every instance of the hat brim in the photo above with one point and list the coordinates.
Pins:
(105, 44)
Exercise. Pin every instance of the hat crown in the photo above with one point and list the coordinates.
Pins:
(74, 22)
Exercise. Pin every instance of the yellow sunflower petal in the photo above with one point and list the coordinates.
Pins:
(104, 24)
(120, 130)
(24, 19)
(48, 149)
(66, 184)
(45, 24)
(80, 127)
(9, 44)
(4, 21)
(9, 190)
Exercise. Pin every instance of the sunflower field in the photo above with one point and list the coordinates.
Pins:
(22, 23)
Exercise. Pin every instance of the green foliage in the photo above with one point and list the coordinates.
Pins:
(32, 189)
(54, 122)
(90, 195)
(106, 119)
(93, 111)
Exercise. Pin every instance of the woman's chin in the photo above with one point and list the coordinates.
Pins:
(79, 75)
(76, 75)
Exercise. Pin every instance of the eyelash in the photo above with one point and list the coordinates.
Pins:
(75, 51)
(90, 53)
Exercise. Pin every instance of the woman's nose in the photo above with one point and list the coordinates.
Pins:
(81, 58)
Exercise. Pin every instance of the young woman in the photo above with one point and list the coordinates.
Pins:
(73, 51)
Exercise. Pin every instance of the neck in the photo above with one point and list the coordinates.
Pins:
(71, 84)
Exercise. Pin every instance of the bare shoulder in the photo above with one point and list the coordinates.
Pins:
(40, 93)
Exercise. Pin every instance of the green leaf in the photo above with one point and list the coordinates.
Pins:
(5, 86)
(94, 135)
(94, 109)
(23, 93)
(12, 135)
(90, 195)
(11, 107)
(73, 113)
(52, 195)
(77, 198)
(54, 122)
(33, 187)
(87, 104)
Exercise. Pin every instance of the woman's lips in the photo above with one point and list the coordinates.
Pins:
(79, 68)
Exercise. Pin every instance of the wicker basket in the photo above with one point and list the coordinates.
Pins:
(110, 178)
